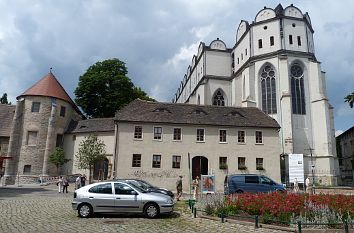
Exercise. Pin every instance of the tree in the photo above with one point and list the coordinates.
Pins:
(91, 150)
(3, 99)
(350, 99)
(58, 158)
(105, 88)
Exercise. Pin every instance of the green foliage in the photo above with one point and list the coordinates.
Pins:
(350, 99)
(3, 99)
(58, 158)
(105, 88)
(91, 150)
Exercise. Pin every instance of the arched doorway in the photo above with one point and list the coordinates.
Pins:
(199, 166)
(100, 170)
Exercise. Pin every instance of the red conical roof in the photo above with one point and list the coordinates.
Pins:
(48, 86)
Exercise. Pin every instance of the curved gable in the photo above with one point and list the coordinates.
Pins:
(218, 44)
(293, 12)
(266, 13)
(242, 28)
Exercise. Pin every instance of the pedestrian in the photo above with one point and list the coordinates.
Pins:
(60, 184)
(83, 180)
(307, 183)
(78, 182)
(296, 186)
(179, 187)
(195, 187)
(65, 184)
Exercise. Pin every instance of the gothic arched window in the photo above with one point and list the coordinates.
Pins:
(269, 102)
(219, 99)
(297, 89)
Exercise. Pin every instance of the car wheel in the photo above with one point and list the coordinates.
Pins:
(151, 210)
(239, 191)
(85, 210)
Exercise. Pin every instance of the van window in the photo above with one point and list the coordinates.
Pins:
(238, 179)
(266, 180)
(252, 179)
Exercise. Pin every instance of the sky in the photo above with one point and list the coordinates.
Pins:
(156, 39)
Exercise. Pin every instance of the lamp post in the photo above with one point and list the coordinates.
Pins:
(312, 172)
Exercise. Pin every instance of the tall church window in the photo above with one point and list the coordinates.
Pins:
(297, 89)
(219, 99)
(269, 103)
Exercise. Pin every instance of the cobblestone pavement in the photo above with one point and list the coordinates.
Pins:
(43, 209)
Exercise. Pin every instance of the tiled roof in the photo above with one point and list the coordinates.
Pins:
(91, 125)
(155, 112)
(6, 115)
(48, 86)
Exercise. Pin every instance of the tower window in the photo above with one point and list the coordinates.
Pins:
(219, 99)
(290, 39)
(299, 41)
(271, 40)
(241, 56)
(297, 90)
(62, 111)
(246, 52)
(269, 104)
(260, 43)
(36, 106)
(238, 60)
(27, 170)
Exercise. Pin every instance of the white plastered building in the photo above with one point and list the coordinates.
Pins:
(272, 66)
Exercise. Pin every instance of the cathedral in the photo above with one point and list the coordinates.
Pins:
(242, 109)
(271, 66)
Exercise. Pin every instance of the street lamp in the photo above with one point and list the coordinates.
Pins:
(312, 171)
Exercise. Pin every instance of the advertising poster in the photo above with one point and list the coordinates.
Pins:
(296, 168)
(208, 184)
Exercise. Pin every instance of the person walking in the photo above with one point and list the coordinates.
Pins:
(78, 182)
(83, 180)
(179, 188)
(65, 184)
(196, 187)
(296, 186)
(307, 183)
(60, 184)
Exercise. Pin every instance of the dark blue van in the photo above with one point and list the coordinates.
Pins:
(253, 183)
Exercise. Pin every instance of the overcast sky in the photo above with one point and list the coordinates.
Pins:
(156, 39)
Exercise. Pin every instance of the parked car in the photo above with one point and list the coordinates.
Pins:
(254, 183)
(119, 197)
(149, 187)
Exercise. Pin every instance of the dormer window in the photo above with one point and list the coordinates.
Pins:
(200, 112)
(235, 113)
(162, 110)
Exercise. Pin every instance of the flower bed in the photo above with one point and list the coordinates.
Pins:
(285, 208)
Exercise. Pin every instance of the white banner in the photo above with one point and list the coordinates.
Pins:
(296, 168)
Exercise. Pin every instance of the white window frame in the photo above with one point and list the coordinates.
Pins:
(225, 136)
(153, 133)
(197, 135)
(244, 137)
(180, 160)
(152, 164)
(173, 134)
(142, 133)
(28, 143)
(255, 137)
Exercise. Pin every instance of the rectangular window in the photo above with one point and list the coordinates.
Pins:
(177, 134)
(156, 161)
(259, 164)
(222, 135)
(260, 43)
(62, 111)
(241, 163)
(138, 132)
(271, 40)
(27, 170)
(290, 39)
(259, 138)
(136, 161)
(238, 60)
(222, 162)
(60, 140)
(31, 138)
(241, 136)
(246, 52)
(299, 41)
(36, 106)
(176, 161)
(158, 133)
(200, 135)
(241, 56)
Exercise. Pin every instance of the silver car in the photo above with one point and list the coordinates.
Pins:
(119, 197)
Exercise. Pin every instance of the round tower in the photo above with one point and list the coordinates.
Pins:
(42, 115)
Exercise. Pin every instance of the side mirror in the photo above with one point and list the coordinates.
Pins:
(134, 193)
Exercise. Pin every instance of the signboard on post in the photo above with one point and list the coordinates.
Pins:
(296, 168)
(208, 184)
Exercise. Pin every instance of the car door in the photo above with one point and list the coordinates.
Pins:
(251, 184)
(266, 184)
(102, 198)
(125, 200)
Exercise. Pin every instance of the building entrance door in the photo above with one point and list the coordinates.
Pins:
(199, 166)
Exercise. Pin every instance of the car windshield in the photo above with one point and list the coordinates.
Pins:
(148, 185)
(142, 190)
(266, 180)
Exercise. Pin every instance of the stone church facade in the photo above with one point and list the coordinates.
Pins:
(271, 66)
